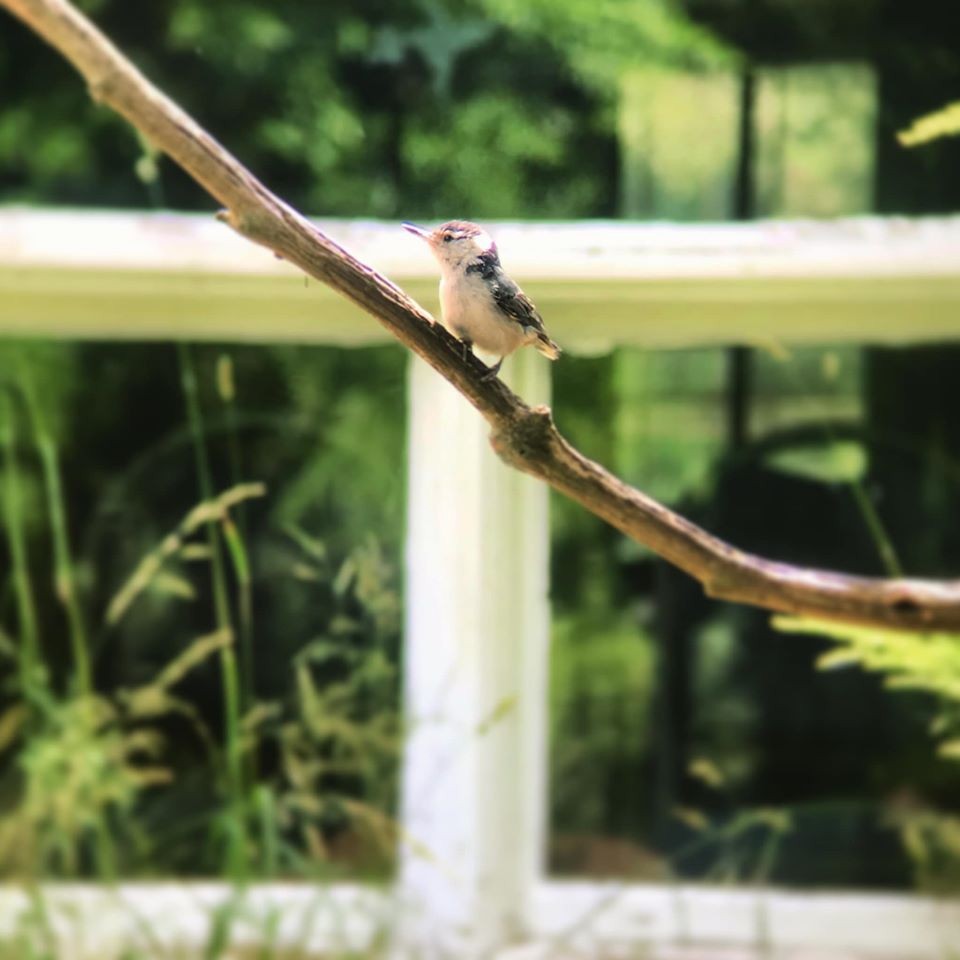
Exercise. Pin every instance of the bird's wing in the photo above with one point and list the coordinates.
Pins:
(515, 303)
(510, 299)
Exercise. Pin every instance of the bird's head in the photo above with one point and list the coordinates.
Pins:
(456, 242)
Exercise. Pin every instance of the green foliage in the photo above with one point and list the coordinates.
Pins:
(150, 568)
(601, 685)
(83, 762)
(534, 142)
(602, 38)
(103, 781)
(345, 732)
(741, 847)
(927, 662)
(920, 663)
(395, 108)
(932, 839)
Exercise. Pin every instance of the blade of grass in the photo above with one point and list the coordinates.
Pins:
(188, 382)
(63, 565)
(236, 858)
(237, 551)
(226, 388)
(266, 807)
(29, 647)
(174, 544)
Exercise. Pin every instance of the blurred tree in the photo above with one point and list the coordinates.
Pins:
(379, 108)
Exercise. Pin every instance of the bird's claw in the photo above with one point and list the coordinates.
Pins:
(492, 371)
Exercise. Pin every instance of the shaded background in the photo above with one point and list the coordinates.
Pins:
(687, 737)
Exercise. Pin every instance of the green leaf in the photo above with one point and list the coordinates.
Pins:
(932, 126)
(950, 749)
(833, 659)
(706, 771)
(832, 463)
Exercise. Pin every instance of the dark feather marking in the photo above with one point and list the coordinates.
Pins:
(516, 304)
(511, 300)
(487, 264)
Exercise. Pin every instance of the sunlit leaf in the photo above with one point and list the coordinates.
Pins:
(311, 545)
(303, 571)
(225, 384)
(691, 817)
(11, 723)
(706, 770)
(828, 463)
(833, 659)
(198, 651)
(932, 126)
(171, 584)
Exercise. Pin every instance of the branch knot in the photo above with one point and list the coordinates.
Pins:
(526, 438)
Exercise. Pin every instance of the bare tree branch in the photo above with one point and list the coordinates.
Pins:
(524, 437)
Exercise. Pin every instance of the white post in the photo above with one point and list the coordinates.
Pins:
(477, 625)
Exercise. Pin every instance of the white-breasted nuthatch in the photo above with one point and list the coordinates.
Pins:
(479, 303)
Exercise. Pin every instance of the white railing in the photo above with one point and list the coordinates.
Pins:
(477, 622)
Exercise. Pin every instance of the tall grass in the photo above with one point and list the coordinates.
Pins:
(61, 722)
(234, 821)
(235, 534)
(64, 580)
(29, 657)
(80, 760)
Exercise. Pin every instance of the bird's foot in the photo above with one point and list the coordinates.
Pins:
(467, 346)
(492, 371)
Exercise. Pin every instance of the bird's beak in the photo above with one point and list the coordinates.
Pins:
(416, 231)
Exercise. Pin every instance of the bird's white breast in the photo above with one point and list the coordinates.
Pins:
(470, 313)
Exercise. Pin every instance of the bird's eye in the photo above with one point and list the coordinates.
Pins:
(447, 237)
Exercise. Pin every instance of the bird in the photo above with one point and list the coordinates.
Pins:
(479, 303)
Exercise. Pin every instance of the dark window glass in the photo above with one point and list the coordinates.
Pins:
(690, 738)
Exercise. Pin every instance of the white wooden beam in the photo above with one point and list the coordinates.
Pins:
(599, 285)
(88, 921)
(583, 918)
(853, 247)
(475, 663)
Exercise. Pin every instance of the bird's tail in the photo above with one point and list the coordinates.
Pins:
(547, 347)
